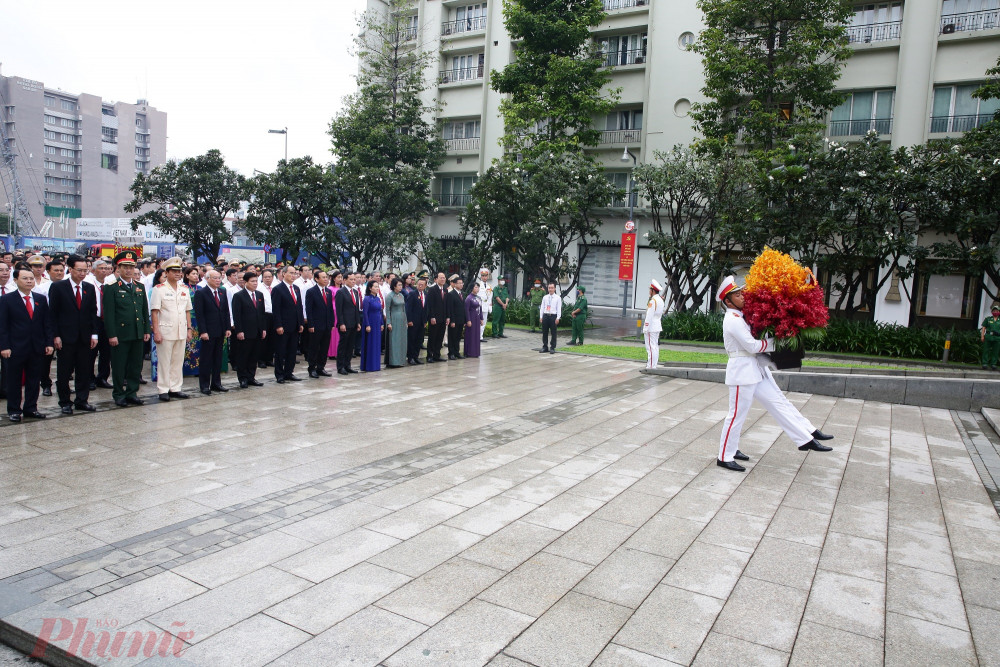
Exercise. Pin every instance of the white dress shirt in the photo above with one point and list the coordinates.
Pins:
(92, 279)
(551, 305)
(231, 291)
(265, 293)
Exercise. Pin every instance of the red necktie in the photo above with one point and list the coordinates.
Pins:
(323, 292)
(216, 295)
(291, 290)
(27, 304)
(253, 300)
(353, 298)
(3, 290)
(79, 301)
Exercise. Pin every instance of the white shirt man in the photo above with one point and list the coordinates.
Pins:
(232, 286)
(485, 299)
(549, 314)
(749, 377)
(266, 284)
(100, 268)
(652, 325)
(304, 282)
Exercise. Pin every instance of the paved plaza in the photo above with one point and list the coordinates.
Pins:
(517, 509)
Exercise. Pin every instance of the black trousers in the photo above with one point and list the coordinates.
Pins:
(245, 357)
(455, 338)
(31, 366)
(548, 329)
(284, 353)
(3, 378)
(414, 340)
(102, 353)
(267, 345)
(304, 342)
(435, 339)
(46, 380)
(319, 349)
(210, 363)
(74, 359)
(345, 348)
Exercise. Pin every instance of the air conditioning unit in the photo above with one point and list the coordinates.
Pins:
(640, 3)
(948, 29)
(640, 60)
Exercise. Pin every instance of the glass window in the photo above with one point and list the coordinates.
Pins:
(50, 101)
(956, 110)
(623, 49)
(67, 105)
(862, 112)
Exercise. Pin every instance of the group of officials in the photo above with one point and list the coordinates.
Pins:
(69, 311)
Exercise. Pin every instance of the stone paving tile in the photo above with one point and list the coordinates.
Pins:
(823, 646)
(708, 569)
(848, 603)
(563, 512)
(626, 577)
(334, 556)
(414, 519)
(536, 584)
(763, 613)
(490, 516)
(256, 641)
(511, 546)
(725, 650)
(912, 641)
(855, 556)
(140, 600)
(591, 541)
(671, 624)
(425, 551)
(620, 656)
(431, 597)
(798, 525)
(928, 595)
(224, 566)
(920, 550)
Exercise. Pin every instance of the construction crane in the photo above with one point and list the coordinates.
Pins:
(19, 214)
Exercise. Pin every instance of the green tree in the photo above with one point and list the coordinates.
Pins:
(771, 68)
(288, 207)
(386, 151)
(699, 206)
(191, 198)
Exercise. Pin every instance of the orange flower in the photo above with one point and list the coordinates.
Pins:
(779, 273)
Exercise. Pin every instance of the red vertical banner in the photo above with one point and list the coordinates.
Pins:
(626, 262)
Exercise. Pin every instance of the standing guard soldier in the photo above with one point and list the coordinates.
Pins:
(501, 299)
(579, 316)
(126, 319)
(536, 294)
(989, 335)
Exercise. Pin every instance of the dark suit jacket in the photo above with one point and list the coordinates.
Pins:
(415, 311)
(456, 306)
(319, 314)
(212, 319)
(70, 323)
(436, 307)
(286, 314)
(24, 335)
(348, 314)
(247, 319)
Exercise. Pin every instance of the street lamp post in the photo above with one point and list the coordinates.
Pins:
(284, 132)
(631, 210)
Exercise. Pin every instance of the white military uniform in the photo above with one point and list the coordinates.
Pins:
(486, 300)
(652, 326)
(173, 305)
(749, 376)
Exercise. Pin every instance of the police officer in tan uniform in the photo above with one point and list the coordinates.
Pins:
(170, 303)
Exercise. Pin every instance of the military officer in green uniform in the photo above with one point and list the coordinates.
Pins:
(501, 299)
(989, 334)
(579, 316)
(126, 319)
(536, 294)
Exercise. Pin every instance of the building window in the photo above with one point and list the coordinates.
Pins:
(462, 135)
(141, 138)
(109, 161)
(140, 166)
(65, 152)
(468, 18)
(65, 122)
(455, 190)
(956, 110)
(68, 138)
(142, 152)
(950, 296)
(51, 120)
(138, 123)
(620, 179)
(862, 112)
(408, 27)
(877, 22)
(51, 150)
(622, 127)
(67, 105)
(109, 134)
(51, 135)
(620, 50)
(968, 15)
(465, 68)
(50, 180)
(68, 167)
(51, 165)
(50, 101)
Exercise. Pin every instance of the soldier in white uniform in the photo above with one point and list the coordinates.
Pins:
(652, 326)
(749, 377)
(170, 305)
(485, 299)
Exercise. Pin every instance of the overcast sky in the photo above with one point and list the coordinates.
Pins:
(225, 71)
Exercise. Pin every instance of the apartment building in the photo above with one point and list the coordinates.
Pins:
(76, 155)
(914, 67)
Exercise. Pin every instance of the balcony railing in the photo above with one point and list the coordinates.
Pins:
(461, 74)
(848, 128)
(619, 58)
(407, 34)
(610, 5)
(982, 20)
(621, 137)
(474, 24)
(959, 123)
(453, 200)
(461, 145)
(623, 202)
(874, 32)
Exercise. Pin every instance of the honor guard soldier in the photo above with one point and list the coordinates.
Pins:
(501, 299)
(126, 320)
(579, 316)
(652, 325)
(749, 377)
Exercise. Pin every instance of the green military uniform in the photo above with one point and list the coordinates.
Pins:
(536, 294)
(579, 318)
(991, 340)
(126, 317)
(500, 297)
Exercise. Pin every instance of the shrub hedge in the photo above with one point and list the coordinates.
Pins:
(852, 337)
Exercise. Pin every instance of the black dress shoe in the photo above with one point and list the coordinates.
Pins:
(103, 384)
(342, 372)
(219, 388)
(483, 340)
(47, 391)
(552, 351)
(86, 407)
(314, 375)
(740, 456)
(543, 350)
(429, 360)
(244, 384)
(34, 415)
(819, 435)
(134, 400)
(293, 378)
(254, 383)
(261, 364)
(121, 403)
(67, 409)
(351, 370)
(164, 398)
(178, 394)
(815, 446)
(460, 356)
(501, 336)
(411, 362)
(207, 392)
(280, 381)
(14, 418)
(93, 386)
(325, 373)
(730, 465)
(452, 357)
(418, 362)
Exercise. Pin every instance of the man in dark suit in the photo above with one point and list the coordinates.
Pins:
(455, 302)
(416, 318)
(7, 285)
(73, 306)
(211, 310)
(250, 329)
(319, 315)
(437, 318)
(286, 311)
(25, 339)
(349, 322)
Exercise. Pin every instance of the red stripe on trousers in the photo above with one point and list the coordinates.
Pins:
(725, 443)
